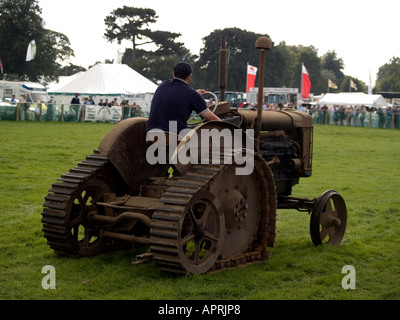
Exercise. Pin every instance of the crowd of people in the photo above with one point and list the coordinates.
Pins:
(357, 116)
(71, 113)
(130, 110)
(89, 101)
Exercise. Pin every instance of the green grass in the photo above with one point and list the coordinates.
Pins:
(361, 163)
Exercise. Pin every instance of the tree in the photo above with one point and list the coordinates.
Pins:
(388, 77)
(289, 61)
(20, 23)
(155, 67)
(129, 23)
(309, 57)
(332, 67)
(241, 50)
(71, 69)
(332, 63)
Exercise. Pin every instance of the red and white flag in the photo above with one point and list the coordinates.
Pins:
(306, 84)
(251, 77)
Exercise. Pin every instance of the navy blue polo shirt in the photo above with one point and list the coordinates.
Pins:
(174, 100)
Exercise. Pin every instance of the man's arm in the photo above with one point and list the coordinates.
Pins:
(209, 116)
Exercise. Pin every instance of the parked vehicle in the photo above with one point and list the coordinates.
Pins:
(35, 92)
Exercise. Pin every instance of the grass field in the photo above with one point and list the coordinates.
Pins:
(361, 163)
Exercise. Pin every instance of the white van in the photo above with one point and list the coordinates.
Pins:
(35, 92)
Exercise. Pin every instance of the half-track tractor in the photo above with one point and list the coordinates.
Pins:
(198, 203)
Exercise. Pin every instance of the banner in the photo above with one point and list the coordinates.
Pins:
(306, 84)
(251, 77)
(103, 114)
(31, 52)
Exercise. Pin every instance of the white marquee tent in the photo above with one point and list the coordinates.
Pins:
(353, 99)
(106, 81)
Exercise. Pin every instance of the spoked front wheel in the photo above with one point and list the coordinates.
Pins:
(328, 219)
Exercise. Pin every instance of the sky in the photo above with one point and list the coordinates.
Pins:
(364, 33)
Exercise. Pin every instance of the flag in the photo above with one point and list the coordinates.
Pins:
(353, 85)
(1, 66)
(331, 84)
(306, 84)
(251, 77)
(31, 52)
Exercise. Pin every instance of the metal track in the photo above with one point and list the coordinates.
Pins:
(57, 204)
(167, 218)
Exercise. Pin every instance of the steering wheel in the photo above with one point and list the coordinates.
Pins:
(215, 99)
(215, 105)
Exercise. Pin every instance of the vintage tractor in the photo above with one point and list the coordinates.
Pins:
(192, 216)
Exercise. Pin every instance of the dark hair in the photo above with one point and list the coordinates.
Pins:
(182, 70)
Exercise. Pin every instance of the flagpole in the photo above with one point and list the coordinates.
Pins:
(247, 76)
(302, 68)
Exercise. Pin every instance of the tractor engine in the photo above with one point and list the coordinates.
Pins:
(285, 144)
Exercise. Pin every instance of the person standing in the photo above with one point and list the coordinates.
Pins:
(50, 110)
(75, 105)
(21, 107)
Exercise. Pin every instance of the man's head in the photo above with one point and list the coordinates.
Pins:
(182, 70)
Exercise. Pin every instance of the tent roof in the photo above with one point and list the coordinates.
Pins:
(62, 81)
(107, 79)
(354, 98)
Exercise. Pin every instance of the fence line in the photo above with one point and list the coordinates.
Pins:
(372, 119)
(80, 113)
(68, 113)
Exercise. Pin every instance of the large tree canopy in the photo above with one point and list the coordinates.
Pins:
(20, 23)
(152, 53)
(129, 23)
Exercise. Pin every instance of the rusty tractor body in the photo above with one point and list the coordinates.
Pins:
(192, 216)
